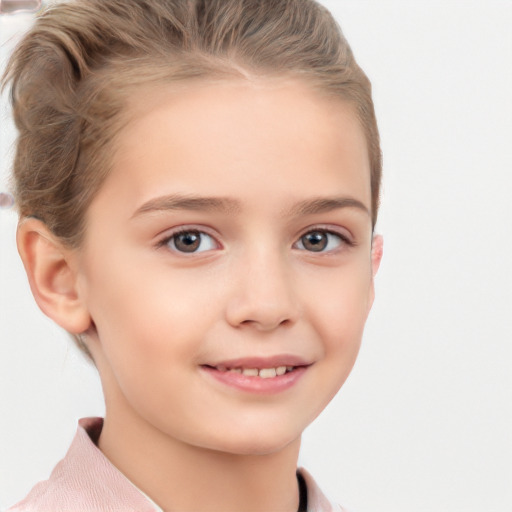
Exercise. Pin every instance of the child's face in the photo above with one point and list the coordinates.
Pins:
(232, 233)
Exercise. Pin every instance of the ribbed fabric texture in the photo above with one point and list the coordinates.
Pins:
(85, 481)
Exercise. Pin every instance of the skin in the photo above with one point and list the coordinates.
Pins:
(154, 316)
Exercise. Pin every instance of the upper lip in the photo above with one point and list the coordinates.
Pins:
(262, 362)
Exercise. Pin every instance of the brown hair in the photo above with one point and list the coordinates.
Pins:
(73, 72)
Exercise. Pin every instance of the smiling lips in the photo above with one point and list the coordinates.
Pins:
(263, 373)
(269, 375)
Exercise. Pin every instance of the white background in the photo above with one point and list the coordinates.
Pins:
(425, 421)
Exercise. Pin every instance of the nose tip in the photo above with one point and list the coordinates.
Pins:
(263, 300)
(267, 320)
(262, 317)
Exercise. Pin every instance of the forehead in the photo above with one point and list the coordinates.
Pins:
(239, 138)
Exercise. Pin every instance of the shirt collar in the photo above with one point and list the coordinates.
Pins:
(111, 483)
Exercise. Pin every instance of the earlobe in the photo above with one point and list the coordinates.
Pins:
(52, 278)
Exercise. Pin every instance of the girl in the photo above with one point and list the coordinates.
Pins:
(198, 184)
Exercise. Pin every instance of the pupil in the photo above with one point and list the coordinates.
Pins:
(187, 242)
(315, 241)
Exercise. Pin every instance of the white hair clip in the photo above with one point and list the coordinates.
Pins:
(14, 6)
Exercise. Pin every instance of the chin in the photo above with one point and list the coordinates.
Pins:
(266, 442)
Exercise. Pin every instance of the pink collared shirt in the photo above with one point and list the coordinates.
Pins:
(86, 481)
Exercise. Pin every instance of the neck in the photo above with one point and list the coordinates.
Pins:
(180, 476)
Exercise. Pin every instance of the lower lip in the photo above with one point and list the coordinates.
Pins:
(257, 384)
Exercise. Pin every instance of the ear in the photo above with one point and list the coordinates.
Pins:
(377, 251)
(52, 275)
(376, 257)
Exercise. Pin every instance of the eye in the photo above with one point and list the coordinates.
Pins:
(190, 241)
(320, 240)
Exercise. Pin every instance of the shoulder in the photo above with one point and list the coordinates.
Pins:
(85, 481)
(317, 501)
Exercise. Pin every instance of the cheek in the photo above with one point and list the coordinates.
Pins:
(148, 316)
(340, 312)
(341, 318)
(342, 303)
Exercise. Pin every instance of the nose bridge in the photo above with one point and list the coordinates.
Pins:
(264, 295)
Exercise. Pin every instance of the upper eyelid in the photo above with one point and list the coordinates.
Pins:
(170, 232)
(326, 228)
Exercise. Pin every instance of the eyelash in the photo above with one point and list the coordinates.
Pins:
(185, 231)
(343, 240)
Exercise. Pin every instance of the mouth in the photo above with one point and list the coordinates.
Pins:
(262, 373)
(259, 375)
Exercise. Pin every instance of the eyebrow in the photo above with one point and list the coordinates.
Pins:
(327, 204)
(231, 206)
(188, 202)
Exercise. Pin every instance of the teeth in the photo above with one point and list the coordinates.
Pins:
(267, 373)
(263, 373)
(250, 372)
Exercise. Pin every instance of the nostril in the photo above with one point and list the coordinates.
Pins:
(266, 323)
(262, 304)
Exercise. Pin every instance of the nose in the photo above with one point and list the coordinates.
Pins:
(263, 296)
